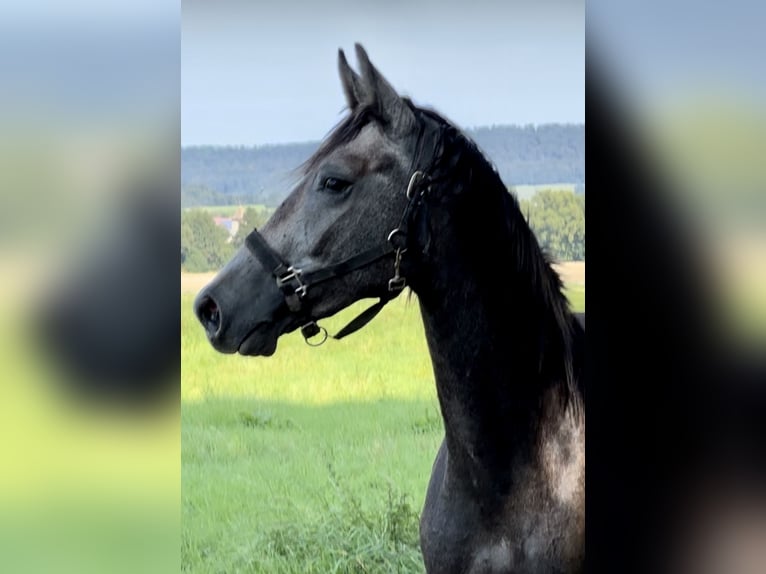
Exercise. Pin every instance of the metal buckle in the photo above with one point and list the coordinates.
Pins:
(293, 273)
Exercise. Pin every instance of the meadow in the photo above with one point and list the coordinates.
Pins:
(314, 459)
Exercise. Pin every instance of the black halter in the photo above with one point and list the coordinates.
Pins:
(295, 283)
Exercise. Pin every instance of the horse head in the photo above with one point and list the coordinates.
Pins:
(330, 243)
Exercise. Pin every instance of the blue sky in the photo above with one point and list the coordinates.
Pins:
(657, 50)
(265, 72)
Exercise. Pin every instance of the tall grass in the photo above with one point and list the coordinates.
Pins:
(313, 460)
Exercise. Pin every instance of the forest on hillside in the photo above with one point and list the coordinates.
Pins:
(232, 175)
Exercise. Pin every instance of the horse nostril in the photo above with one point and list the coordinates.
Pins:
(208, 313)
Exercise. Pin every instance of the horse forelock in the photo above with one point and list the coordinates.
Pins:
(342, 134)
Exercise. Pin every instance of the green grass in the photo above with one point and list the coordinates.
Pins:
(313, 460)
(576, 296)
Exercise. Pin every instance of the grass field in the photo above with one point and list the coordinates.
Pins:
(313, 460)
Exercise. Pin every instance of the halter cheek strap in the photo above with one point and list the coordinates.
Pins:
(295, 283)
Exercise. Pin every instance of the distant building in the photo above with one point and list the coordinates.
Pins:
(230, 224)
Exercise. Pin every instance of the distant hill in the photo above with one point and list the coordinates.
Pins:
(524, 156)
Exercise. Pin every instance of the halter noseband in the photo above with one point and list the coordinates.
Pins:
(295, 283)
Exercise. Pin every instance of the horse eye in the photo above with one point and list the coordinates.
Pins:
(335, 185)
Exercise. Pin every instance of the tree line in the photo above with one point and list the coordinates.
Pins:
(557, 218)
(231, 175)
(206, 246)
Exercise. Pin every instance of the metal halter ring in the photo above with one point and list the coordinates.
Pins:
(310, 330)
(416, 178)
(397, 233)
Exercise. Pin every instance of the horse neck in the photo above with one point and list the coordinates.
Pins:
(494, 330)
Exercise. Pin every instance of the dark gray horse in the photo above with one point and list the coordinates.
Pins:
(397, 195)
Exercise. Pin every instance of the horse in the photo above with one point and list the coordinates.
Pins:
(397, 196)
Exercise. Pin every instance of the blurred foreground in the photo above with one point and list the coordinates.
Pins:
(677, 420)
(89, 336)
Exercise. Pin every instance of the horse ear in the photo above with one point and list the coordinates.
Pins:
(390, 105)
(351, 82)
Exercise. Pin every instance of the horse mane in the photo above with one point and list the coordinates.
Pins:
(471, 173)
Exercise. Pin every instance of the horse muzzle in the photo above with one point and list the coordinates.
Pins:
(242, 310)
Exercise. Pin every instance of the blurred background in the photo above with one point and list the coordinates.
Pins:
(689, 81)
(89, 133)
(677, 105)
